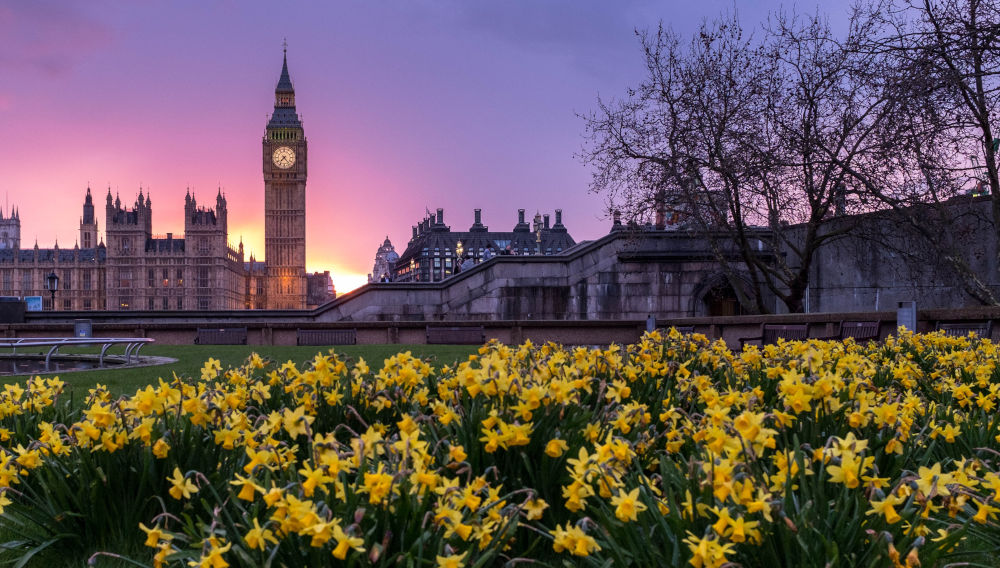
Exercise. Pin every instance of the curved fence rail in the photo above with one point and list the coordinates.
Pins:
(132, 345)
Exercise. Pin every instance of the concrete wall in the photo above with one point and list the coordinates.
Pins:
(620, 276)
(281, 330)
(884, 261)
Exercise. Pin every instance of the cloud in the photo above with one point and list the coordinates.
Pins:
(48, 36)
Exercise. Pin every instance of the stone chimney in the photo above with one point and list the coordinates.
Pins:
(545, 219)
(440, 216)
(558, 217)
(478, 225)
(520, 216)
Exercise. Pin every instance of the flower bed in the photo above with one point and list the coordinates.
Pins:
(670, 451)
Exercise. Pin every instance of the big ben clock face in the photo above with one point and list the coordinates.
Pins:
(283, 157)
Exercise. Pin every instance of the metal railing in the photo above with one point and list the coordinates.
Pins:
(132, 345)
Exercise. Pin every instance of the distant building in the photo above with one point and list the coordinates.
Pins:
(81, 271)
(385, 262)
(198, 270)
(434, 249)
(10, 230)
(256, 284)
(319, 289)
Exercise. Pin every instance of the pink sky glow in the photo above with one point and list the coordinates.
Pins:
(406, 106)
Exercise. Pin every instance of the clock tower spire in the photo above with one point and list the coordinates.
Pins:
(285, 198)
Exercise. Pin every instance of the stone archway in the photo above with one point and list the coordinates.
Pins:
(716, 296)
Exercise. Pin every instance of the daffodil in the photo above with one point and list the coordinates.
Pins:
(181, 487)
(258, 537)
(452, 561)
(534, 508)
(627, 505)
(155, 535)
(345, 543)
(555, 447)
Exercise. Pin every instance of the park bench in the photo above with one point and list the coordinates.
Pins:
(326, 336)
(858, 330)
(456, 335)
(960, 329)
(221, 336)
(772, 332)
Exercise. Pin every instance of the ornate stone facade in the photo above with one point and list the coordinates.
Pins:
(198, 271)
(137, 270)
(434, 249)
(10, 230)
(81, 271)
(385, 263)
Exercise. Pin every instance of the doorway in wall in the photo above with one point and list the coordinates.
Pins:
(721, 300)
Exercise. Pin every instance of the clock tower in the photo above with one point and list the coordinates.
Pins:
(285, 200)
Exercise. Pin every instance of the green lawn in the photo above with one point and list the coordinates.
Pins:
(190, 359)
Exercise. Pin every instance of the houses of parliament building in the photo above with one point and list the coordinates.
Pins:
(133, 269)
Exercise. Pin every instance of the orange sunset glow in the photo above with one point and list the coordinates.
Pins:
(406, 108)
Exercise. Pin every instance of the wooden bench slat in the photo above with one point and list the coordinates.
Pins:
(961, 329)
(326, 336)
(456, 335)
(221, 336)
(772, 332)
(859, 330)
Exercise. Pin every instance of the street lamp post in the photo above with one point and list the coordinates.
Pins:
(52, 284)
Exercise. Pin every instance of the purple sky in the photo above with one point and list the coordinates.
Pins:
(406, 105)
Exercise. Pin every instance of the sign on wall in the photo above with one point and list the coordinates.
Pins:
(32, 303)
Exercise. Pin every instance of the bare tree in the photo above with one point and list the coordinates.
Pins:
(942, 66)
(751, 140)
